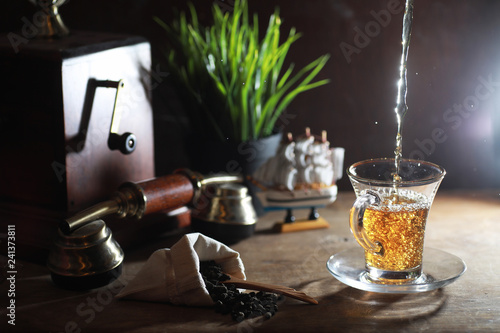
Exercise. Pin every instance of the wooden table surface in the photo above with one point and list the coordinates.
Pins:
(466, 224)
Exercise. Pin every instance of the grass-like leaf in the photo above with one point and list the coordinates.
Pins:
(236, 78)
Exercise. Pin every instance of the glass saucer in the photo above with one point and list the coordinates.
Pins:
(439, 269)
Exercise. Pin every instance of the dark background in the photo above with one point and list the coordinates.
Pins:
(455, 48)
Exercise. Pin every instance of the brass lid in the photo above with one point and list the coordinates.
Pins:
(229, 204)
(89, 250)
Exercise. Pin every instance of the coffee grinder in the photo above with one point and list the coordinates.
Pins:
(76, 121)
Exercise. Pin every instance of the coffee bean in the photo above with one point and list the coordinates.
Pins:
(228, 299)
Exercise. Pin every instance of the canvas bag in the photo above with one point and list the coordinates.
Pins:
(172, 275)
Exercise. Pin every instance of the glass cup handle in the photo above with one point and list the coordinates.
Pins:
(367, 197)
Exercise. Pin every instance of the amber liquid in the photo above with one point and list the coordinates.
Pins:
(401, 107)
(398, 225)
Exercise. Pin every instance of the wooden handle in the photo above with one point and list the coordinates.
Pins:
(166, 193)
(286, 291)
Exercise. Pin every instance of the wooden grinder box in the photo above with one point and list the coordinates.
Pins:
(61, 131)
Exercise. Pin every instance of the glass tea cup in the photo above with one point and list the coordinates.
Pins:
(388, 217)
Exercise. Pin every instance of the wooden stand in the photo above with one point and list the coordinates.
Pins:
(301, 225)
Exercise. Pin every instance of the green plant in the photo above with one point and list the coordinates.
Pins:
(236, 78)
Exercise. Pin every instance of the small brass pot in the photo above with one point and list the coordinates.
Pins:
(225, 213)
(87, 258)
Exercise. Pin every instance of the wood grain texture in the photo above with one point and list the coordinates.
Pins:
(167, 193)
(462, 223)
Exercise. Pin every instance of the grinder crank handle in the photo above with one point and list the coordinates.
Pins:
(150, 196)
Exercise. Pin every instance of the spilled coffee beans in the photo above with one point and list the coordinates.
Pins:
(228, 300)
